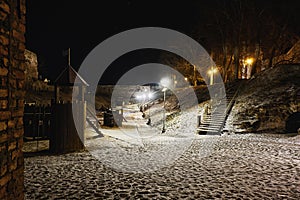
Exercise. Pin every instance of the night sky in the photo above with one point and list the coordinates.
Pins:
(56, 25)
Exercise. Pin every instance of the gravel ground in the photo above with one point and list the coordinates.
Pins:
(238, 167)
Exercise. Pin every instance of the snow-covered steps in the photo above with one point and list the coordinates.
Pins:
(212, 123)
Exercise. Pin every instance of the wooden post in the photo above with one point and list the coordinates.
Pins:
(81, 93)
(56, 93)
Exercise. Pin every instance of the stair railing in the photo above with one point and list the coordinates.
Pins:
(93, 115)
(230, 106)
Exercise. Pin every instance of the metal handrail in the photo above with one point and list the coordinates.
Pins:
(91, 123)
(92, 114)
(230, 106)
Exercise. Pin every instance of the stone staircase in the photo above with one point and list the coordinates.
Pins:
(212, 121)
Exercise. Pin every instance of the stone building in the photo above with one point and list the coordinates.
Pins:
(12, 47)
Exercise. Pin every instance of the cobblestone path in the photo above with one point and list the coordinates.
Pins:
(239, 166)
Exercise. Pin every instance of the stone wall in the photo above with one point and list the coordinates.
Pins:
(267, 101)
(37, 90)
(31, 66)
(123, 91)
(12, 47)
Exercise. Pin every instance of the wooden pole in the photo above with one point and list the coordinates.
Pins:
(56, 93)
(69, 56)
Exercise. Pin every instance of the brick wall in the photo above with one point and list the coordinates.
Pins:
(12, 47)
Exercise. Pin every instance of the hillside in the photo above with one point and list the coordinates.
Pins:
(267, 101)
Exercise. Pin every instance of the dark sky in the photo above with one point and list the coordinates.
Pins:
(55, 25)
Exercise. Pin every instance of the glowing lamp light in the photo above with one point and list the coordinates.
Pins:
(165, 82)
(249, 61)
(150, 95)
(138, 97)
(212, 71)
(164, 89)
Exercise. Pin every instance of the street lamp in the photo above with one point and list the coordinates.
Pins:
(195, 81)
(150, 95)
(211, 72)
(164, 113)
(165, 82)
(249, 62)
(246, 70)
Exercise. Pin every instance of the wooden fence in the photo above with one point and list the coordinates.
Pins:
(56, 123)
(37, 121)
(65, 136)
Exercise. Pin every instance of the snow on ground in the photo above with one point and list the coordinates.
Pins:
(138, 147)
(179, 166)
(240, 166)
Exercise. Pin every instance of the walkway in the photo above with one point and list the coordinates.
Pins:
(238, 166)
(174, 165)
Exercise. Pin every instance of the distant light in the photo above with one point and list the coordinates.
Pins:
(165, 82)
(249, 61)
(164, 89)
(150, 95)
(185, 78)
(144, 96)
(213, 70)
(139, 97)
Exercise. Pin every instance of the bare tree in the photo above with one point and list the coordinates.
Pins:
(239, 29)
(277, 42)
(248, 29)
(183, 66)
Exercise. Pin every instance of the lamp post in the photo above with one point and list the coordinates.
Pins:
(164, 113)
(249, 62)
(165, 82)
(211, 72)
(150, 95)
(194, 77)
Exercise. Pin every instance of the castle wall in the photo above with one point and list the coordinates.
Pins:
(31, 66)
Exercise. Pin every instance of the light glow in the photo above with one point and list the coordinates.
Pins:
(139, 97)
(150, 95)
(213, 70)
(249, 61)
(165, 82)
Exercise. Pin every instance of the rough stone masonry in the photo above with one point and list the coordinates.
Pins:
(12, 47)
